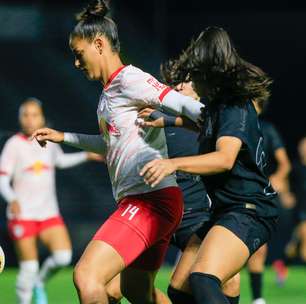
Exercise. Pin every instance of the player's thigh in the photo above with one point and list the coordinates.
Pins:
(138, 284)
(179, 279)
(26, 249)
(257, 261)
(222, 254)
(100, 262)
(113, 289)
(56, 238)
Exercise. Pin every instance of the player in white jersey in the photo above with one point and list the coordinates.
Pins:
(27, 182)
(134, 240)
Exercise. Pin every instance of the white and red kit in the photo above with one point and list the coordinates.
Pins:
(27, 175)
(145, 219)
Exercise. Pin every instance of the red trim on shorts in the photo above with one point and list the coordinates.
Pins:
(21, 229)
(3, 172)
(113, 76)
(164, 93)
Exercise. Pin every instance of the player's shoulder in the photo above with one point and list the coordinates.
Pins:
(16, 139)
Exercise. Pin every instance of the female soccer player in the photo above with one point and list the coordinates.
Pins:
(133, 241)
(33, 211)
(231, 164)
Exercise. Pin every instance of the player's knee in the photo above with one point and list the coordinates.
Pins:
(231, 287)
(114, 294)
(62, 258)
(27, 274)
(303, 253)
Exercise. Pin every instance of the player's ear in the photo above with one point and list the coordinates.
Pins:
(99, 44)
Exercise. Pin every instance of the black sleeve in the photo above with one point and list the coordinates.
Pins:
(233, 122)
(275, 138)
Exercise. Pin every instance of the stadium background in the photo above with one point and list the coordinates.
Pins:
(36, 61)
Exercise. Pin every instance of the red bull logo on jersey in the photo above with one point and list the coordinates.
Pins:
(38, 168)
(109, 128)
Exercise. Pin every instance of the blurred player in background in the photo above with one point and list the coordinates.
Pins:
(297, 245)
(27, 183)
(277, 169)
(134, 239)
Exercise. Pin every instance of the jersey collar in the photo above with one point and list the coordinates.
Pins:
(113, 76)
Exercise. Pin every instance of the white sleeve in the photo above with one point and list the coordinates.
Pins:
(6, 189)
(7, 167)
(90, 143)
(145, 90)
(182, 105)
(67, 160)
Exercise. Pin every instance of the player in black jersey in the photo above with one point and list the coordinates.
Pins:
(231, 161)
(183, 142)
(297, 245)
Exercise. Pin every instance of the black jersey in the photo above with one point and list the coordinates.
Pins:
(272, 142)
(182, 142)
(246, 185)
(298, 184)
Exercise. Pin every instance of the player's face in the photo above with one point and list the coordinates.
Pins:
(87, 58)
(186, 89)
(31, 118)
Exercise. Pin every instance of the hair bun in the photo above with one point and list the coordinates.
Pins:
(95, 9)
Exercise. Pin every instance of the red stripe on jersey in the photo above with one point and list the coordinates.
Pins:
(3, 172)
(164, 93)
(113, 76)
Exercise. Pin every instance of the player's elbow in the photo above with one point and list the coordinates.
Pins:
(227, 163)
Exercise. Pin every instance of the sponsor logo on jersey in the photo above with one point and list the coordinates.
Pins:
(38, 168)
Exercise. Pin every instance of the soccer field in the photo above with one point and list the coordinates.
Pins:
(61, 290)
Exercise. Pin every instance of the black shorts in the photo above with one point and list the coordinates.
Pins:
(191, 223)
(250, 228)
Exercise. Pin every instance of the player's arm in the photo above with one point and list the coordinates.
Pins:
(280, 176)
(7, 166)
(67, 160)
(219, 161)
(90, 143)
(146, 91)
(153, 118)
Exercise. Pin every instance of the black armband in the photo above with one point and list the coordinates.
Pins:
(169, 120)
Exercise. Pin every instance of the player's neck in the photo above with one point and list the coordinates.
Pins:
(112, 65)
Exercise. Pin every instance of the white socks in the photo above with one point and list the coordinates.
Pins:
(259, 301)
(26, 279)
(58, 259)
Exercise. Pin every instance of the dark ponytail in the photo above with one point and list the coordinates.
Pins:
(93, 21)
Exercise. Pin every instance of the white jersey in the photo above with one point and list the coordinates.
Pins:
(31, 170)
(130, 147)
(127, 146)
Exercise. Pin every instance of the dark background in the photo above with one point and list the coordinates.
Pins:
(36, 61)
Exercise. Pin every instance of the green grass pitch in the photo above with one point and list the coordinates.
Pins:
(61, 291)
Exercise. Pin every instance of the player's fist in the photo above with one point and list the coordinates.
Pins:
(14, 209)
(46, 134)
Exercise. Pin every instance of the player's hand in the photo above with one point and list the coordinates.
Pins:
(45, 134)
(95, 157)
(144, 116)
(154, 171)
(14, 209)
(278, 183)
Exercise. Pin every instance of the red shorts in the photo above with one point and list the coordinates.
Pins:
(141, 228)
(20, 229)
